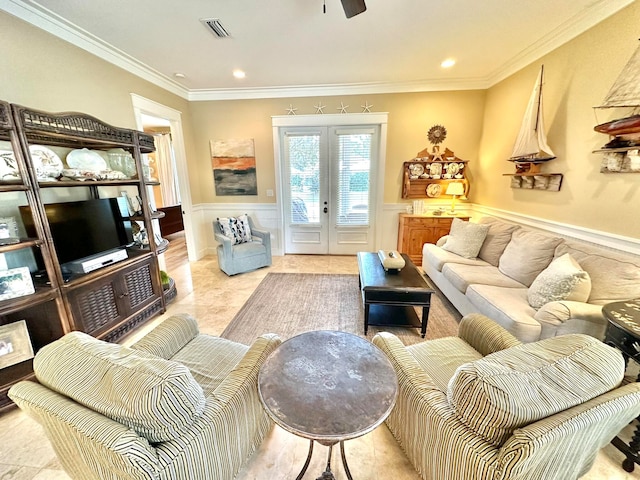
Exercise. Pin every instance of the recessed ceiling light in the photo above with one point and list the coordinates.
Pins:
(179, 75)
(448, 63)
(239, 74)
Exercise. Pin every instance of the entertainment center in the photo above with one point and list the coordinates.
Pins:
(68, 260)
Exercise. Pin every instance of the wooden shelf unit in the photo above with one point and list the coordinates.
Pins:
(107, 303)
(427, 176)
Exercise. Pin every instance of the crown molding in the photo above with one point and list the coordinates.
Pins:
(338, 89)
(48, 21)
(566, 32)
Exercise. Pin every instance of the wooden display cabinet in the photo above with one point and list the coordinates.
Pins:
(428, 175)
(107, 303)
(416, 230)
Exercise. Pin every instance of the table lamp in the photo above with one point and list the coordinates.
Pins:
(454, 189)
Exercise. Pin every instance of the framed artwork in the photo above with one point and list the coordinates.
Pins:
(15, 282)
(234, 167)
(8, 231)
(15, 345)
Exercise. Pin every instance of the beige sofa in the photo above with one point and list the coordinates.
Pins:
(524, 280)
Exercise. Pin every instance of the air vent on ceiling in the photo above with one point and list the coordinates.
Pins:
(216, 27)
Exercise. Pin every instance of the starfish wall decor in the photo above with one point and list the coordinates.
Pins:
(291, 110)
(319, 108)
(343, 108)
(366, 108)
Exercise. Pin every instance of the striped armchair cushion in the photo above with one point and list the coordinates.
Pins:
(520, 385)
(157, 398)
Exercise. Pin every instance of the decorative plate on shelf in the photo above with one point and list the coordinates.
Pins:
(416, 169)
(8, 166)
(453, 168)
(46, 162)
(436, 170)
(434, 190)
(85, 159)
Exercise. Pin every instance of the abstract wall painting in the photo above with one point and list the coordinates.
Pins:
(234, 167)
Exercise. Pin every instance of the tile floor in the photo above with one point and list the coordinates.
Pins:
(212, 297)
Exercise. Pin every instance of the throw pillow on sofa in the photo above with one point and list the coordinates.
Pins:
(563, 279)
(527, 254)
(236, 228)
(465, 238)
(498, 237)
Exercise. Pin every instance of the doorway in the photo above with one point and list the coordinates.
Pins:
(330, 190)
(144, 108)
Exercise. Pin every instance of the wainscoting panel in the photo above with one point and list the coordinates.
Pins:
(267, 217)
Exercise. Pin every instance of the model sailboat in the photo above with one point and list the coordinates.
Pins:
(625, 93)
(531, 146)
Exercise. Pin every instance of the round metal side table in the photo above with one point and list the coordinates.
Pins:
(328, 387)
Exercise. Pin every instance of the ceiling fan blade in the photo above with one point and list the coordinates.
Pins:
(353, 7)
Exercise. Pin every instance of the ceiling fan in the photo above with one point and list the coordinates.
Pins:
(353, 7)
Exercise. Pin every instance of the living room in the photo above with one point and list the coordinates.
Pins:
(50, 74)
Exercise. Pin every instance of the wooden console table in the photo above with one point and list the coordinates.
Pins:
(416, 230)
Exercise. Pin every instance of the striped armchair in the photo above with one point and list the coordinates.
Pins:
(176, 405)
(483, 406)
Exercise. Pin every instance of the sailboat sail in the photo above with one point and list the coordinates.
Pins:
(625, 92)
(531, 143)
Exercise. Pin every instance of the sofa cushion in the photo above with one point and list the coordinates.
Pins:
(508, 307)
(465, 238)
(527, 254)
(461, 276)
(498, 237)
(210, 360)
(157, 398)
(563, 279)
(236, 228)
(437, 257)
(440, 358)
(520, 385)
(614, 275)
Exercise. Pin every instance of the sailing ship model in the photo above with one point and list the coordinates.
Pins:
(625, 93)
(531, 148)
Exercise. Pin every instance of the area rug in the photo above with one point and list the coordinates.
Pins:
(292, 303)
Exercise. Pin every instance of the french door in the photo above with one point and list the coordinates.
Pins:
(328, 188)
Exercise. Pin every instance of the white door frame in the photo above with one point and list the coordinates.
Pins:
(145, 106)
(322, 120)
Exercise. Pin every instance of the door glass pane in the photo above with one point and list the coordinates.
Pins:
(304, 177)
(354, 165)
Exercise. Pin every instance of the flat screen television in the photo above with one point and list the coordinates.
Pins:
(84, 228)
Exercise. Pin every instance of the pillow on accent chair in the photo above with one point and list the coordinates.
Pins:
(465, 238)
(563, 279)
(236, 228)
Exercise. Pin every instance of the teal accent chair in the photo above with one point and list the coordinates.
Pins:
(243, 257)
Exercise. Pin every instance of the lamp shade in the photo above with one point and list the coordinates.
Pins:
(455, 188)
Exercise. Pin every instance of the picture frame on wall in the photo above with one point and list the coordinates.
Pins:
(15, 282)
(15, 344)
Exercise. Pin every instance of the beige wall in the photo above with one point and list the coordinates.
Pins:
(43, 72)
(578, 75)
(410, 117)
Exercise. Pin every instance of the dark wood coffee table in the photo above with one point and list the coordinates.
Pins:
(390, 297)
(328, 387)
